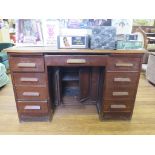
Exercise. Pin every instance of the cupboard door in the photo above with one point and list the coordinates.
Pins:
(58, 86)
(95, 75)
(55, 85)
(84, 83)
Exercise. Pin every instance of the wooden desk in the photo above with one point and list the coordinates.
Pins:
(106, 78)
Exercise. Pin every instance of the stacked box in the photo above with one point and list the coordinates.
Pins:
(129, 44)
(103, 37)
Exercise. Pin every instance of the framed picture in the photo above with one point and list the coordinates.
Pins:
(77, 23)
(50, 32)
(87, 23)
(123, 26)
(99, 22)
(72, 41)
(29, 32)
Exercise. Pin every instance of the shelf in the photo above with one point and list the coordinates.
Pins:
(70, 78)
(71, 91)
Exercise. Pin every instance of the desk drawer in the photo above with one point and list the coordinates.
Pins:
(31, 93)
(75, 60)
(118, 105)
(27, 64)
(123, 64)
(121, 78)
(119, 92)
(29, 78)
(32, 108)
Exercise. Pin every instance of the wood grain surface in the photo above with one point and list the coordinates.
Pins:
(17, 49)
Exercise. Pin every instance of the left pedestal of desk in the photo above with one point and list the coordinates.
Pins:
(30, 84)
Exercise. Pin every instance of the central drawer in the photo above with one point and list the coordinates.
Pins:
(31, 93)
(75, 60)
(27, 64)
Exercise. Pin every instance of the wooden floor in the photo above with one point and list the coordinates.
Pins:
(81, 120)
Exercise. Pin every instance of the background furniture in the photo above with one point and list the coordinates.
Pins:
(4, 79)
(3, 54)
(43, 77)
(150, 71)
(148, 33)
(4, 64)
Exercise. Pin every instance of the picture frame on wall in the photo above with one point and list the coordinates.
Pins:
(123, 26)
(99, 22)
(50, 32)
(87, 23)
(29, 32)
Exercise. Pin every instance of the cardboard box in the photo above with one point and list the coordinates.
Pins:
(129, 44)
(103, 37)
(73, 41)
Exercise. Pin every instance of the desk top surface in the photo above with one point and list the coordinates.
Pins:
(16, 49)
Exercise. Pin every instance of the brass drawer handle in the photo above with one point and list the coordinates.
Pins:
(122, 80)
(29, 65)
(117, 106)
(29, 79)
(32, 107)
(76, 61)
(31, 94)
(120, 93)
(124, 65)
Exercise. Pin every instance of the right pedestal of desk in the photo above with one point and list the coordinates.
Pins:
(120, 86)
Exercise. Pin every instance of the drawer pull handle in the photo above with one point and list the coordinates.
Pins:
(76, 61)
(32, 107)
(117, 106)
(29, 65)
(124, 65)
(122, 80)
(31, 94)
(120, 93)
(29, 79)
